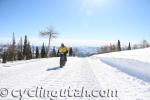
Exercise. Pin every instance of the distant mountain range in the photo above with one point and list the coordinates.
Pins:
(86, 51)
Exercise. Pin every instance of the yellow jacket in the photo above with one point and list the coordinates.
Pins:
(63, 50)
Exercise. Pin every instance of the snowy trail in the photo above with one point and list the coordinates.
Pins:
(79, 73)
(74, 75)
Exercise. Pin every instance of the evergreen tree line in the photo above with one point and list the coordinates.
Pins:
(24, 51)
(117, 47)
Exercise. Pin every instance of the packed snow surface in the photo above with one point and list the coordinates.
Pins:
(113, 76)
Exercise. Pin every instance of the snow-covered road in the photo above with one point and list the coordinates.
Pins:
(81, 79)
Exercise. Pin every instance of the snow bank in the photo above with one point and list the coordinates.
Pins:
(132, 67)
(135, 62)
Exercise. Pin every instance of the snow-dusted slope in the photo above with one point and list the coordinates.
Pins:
(81, 79)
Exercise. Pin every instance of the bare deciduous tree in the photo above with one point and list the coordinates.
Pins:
(50, 33)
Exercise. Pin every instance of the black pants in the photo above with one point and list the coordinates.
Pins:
(63, 57)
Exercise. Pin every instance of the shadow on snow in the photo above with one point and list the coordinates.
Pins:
(55, 68)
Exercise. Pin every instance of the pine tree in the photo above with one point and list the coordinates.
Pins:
(20, 50)
(12, 50)
(10, 53)
(43, 51)
(70, 51)
(25, 47)
(129, 46)
(19, 55)
(4, 57)
(14, 47)
(113, 48)
(53, 53)
(119, 45)
(37, 52)
(29, 51)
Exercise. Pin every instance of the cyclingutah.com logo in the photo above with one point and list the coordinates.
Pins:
(40, 92)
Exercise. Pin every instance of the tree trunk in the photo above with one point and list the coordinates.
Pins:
(48, 45)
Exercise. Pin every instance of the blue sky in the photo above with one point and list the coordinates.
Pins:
(106, 20)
